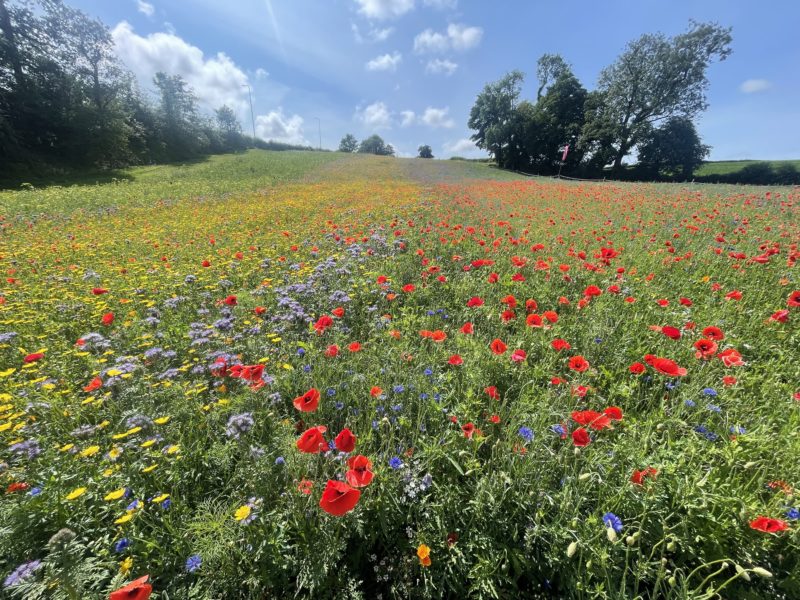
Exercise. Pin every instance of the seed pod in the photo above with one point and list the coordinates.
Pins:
(761, 572)
(572, 549)
(611, 534)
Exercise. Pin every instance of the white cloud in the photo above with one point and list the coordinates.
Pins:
(384, 9)
(375, 34)
(261, 73)
(462, 146)
(752, 86)
(441, 4)
(145, 8)
(457, 37)
(216, 80)
(437, 117)
(439, 66)
(376, 116)
(280, 127)
(408, 118)
(385, 62)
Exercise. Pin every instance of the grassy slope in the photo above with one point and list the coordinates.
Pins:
(723, 167)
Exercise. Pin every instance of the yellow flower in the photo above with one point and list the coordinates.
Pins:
(161, 420)
(126, 565)
(148, 443)
(67, 447)
(115, 495)
(150, 468)
(424, 554)
(76, 493)
(242, 513)
(173, 449)
(160, 499)
(124, 519)
(90, 451)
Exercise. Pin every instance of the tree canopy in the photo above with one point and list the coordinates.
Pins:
(349, 143)
(374, 144)
(425, 151)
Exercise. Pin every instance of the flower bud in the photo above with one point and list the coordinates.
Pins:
(761, 572)
(572, 549)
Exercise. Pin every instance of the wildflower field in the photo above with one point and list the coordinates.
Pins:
(311, 375)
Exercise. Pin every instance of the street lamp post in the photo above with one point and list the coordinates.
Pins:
(252, 118)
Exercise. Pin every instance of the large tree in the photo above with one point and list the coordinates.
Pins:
(374, 144)
(655, 78)
(349, 143)
(672, 149)
(493, 117)
(425, 151)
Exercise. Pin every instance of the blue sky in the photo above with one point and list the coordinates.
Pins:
(409, 70)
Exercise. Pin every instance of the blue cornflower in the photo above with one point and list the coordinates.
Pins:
(598, 340)
(35, 491)
(613, 521)
(690, 403)
(526, 433)
(397, 407)
(193, 563)
(122, 544)
(399, 389)
(330, 391)
(714, 408)
(23, 571)
(307, 368)
(166, 504)
(300, 352)
(280, 461)
(558, 429)
(133, 505)
(709, 391)
(738, 430)
(339, 405)
(395, 462)
(428, 372)
(793, 513)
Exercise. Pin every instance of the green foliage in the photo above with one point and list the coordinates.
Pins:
(493, 119)
(425, 151)
(751, 171)
(374, 144)
(674, 149)
(349, 143)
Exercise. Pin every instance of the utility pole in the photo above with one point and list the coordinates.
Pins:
(319, 127)
(252, 118)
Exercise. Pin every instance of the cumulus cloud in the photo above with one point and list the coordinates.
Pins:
(385, 62)
(437, 117)
(376, 116)
(374, 34)
(752, 86)
(439, 66)
(261, 73)
(408, 118)
(457, 37)
(441, 4)
(280, 127)
(462, 146)
(216, 80)
(145, 8)
(384, 9)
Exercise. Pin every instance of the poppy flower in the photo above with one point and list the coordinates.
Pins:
(780, 316)
(706, 348)
(672, 333)
(492, 392)
(728, 380)
(734, 295)
(107, 319)
(438, 336)
(685, 302)
(99, 291)
(714, 333)
(467, 328)
(578, 363)
(768, 525)
(534, 320)
(663, 303)
(580, 437)
(322, 324)
(498, 347)
(338, 498)
(360, 473)
(592, 290)
(305, 486)
(494, 419)
(637, 368)
(354, 347)
(338, 312)
(493, 278)
(312, 441)
(666, 366)
(551, 316)
(308, 402)
(230, 301)
(559, 345)
(455, 360)
(731, 358)
(794, 299)
(614, 413)
(32, 358)
(638, 477)
(592, 418)
(331, 351)
(518, 355)
(474, 302)
(345, 441)
(259, 310)
(375, 391)
(508, 315)
(93, 385)
(138, 589)
(469, 430)
(206, 263)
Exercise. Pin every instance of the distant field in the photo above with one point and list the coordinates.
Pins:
(724, 167)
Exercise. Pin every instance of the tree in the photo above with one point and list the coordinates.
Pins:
(425, 151)
(349, 143)
(374, 144)
(178, 110)
(675, 148)
(549, 68)
(492, 116)
(655, 78)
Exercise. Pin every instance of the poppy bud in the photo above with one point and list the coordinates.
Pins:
(572, 549)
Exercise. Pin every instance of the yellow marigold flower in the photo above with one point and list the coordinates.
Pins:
(148, 443)
(67, 447)
(424, 554)
(76, 493)
(126, 565)
(160, 499)
(90, 451)
(150, 468)
(173, 449)
(242, 513)
(124, 519)
(115, 495)
(161, 420)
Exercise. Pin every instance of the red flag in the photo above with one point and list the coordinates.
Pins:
(564, 155)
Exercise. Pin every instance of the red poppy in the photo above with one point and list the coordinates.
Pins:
(551, 316)
(686, 302)
(714, 333)
(728, 380)
(338, 498)
(592, 290)
(17, 486)
(666, 366)
(230, 301)
(731, 358)
(780, 316)
(638, 477)
(467, 328)
(345, 441)
(259, 310)
(31, 358)
(592, 418)
(135, 590)
(663, 302)
(498, 347)
(332, 350)
(492, 392)
(93, 385)
(614, 413)
(438, 336)
(308, 402)
(360, 473)
(706, 348)
(734, 295)
(206, 263)
(107, 319)
(338, 312)
(559, 345)
(508, 315)
(475, 301)
(305, 486)
(578, 363)
(534, 320)
(99, 291)
(794, 299)
(518, 355)
(510, 300)
(637, 368)
(354, 347)
(494, 419)
(580, 437)
(671, 332)
(322, 324)
(768, 525)
(312, 441)
(455, 360)
(468, 429)
(375, 391)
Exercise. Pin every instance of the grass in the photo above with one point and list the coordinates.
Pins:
(169, 346)
(725, 167)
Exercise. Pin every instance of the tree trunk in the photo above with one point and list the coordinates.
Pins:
(13, 51)
(623, 150)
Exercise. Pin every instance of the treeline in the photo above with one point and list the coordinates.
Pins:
(67, 103)
(374, 144)
(645, 102)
